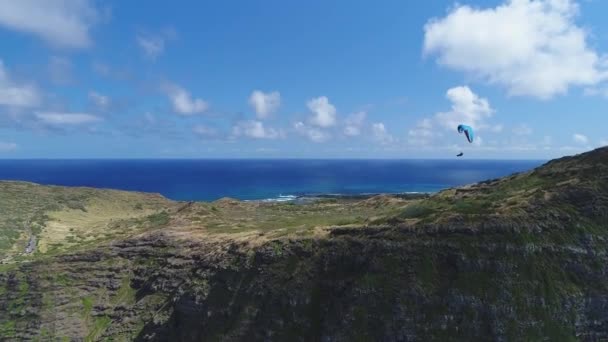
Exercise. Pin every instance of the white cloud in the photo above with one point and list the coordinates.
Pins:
(352, 131)
(7, 146)
(18, 95)
(604, 142)
(324, 113)
(264, 104)
(101, 101)
(380, 133)
(597, 91)
(467, 108)
(580, 138)
(153, 44)
(354, 123)
(60, 119)
(531, 47)
(311, 133)
(478, 141)
(522, 129)
(255, 129)
(182, 101)
(64, 23)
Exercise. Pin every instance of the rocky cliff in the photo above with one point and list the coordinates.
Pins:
(519, 258)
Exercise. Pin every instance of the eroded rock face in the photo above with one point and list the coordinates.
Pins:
(395, 286)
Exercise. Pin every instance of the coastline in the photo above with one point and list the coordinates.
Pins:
(308, 198)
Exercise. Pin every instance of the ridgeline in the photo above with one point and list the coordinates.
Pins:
(512, 259)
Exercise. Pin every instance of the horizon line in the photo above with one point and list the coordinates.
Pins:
(258, 158)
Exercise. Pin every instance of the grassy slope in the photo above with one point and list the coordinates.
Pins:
(64, 217)
(286, 219)
(509, 197)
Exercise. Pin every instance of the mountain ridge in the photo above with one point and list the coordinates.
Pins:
(517, 258)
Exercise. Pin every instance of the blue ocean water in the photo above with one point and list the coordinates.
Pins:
(207, 180)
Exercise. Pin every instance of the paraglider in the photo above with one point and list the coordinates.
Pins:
(468, 132)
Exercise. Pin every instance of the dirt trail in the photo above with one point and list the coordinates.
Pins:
(31, 244)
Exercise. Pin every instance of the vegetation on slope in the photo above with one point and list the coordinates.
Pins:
(62, 217)
(519, 258)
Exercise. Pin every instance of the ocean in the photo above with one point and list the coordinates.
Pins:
(275, 180)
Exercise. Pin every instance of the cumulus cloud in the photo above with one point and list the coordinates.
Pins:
(467, 108)
(530, 47)
(182, 100)
(324, 113)
(353, 124)
(64, 23)
(380, 133)
(101, 101)
(153, 44)
(352, 131)
(66, 119)
(14, 94)
(313, 134)
(7, 146)
(264, 104)
(255, 130)
(597, 91)
(580, 138)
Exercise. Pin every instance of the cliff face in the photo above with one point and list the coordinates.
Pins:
(520, 258)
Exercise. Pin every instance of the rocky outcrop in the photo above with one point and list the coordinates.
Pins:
(395, 286)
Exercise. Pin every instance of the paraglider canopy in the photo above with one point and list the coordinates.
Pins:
(468, 132)
(460, 154)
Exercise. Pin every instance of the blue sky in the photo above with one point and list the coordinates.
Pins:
(313, 79)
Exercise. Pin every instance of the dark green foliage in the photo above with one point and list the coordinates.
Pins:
(159, 219)
(417, 210)
(473, 206)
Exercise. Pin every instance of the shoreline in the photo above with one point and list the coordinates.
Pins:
(309, 198)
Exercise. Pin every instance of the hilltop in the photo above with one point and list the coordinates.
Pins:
(517, 258)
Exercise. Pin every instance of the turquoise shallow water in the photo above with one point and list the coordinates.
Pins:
(261, 179)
